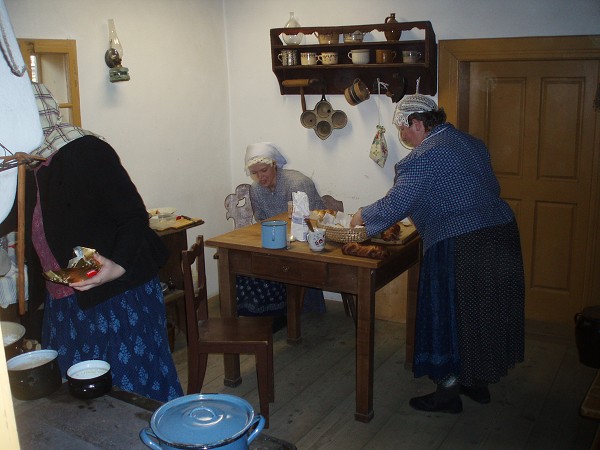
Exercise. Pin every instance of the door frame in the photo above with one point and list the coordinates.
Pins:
(455, 57)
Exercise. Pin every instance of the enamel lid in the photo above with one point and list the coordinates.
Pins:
(209, 420)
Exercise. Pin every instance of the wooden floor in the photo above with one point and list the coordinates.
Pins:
(535, 407)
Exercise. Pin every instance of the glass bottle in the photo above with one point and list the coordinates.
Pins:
(292, 39)
(392, 35)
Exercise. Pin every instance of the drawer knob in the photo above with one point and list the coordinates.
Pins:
(286, 269)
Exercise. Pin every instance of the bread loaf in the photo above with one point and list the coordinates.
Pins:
(393, 233)
(365, 250)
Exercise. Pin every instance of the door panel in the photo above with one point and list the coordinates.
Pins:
(538, 121)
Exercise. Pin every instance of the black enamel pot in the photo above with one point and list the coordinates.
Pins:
(89, 379)
(12, 337)
(34, 374)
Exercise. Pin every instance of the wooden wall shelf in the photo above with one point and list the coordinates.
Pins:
(333, 79)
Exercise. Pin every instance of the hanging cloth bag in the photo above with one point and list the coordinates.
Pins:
(379, 149)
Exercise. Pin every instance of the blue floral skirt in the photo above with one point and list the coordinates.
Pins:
(128, 331)
(258, 297)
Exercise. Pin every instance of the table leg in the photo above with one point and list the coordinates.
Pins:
(365, 336)
(411, 313)
(294, 312)
(228, 307)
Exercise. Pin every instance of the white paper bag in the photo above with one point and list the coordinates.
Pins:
(300, 211)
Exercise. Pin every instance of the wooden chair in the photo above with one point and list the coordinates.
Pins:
(347, 299)
(238, 206)
(231, 335)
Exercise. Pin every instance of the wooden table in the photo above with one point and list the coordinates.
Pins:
(240, 253)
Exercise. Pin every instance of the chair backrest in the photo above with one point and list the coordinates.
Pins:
(196, 301)
(332, 203)
(239, 207)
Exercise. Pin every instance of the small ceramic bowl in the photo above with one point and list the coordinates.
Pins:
(89, 379)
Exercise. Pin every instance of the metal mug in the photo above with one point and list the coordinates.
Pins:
(288, 57)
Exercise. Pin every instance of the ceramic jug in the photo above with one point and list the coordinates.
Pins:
(392, 35)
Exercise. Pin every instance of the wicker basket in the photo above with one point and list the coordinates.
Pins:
(344, 235)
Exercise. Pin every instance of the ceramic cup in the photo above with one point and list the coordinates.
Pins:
(288, 57)
(308, 58)
(316, 239)
(327, 38)
(328, 58)
(360, 56)
(411, 56)
(384, 56)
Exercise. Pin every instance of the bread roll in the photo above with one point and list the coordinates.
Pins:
(320, 213)
(365, 250)
(393, 233)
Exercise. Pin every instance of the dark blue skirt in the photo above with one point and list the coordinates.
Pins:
(471, 307)
(128, 331)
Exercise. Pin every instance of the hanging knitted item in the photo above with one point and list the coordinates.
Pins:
(379, 150)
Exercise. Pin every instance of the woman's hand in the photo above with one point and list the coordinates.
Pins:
(109, 271)
(356, 219)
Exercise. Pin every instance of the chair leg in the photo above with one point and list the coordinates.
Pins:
(196, 372)
(271, 371)
(262, 373)
(349, 306)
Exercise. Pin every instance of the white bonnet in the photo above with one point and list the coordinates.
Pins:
(410, 104)
(263, 152)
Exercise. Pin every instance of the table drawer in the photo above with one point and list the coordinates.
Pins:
(289, 269)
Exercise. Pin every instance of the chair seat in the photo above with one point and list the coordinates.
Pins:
(249, 331)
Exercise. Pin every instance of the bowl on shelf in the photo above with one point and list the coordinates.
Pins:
(354, 37)
(89, 379)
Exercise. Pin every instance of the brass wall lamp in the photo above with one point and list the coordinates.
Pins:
(114, 56)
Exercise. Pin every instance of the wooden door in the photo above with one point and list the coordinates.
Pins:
(54, 63)
(537, 120)
(532, 101)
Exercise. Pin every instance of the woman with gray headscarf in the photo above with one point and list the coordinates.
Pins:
(273, 185)
(270, 192)
(469, 327)
(83, 196)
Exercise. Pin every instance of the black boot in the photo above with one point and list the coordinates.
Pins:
(479, 392)
(444, 399)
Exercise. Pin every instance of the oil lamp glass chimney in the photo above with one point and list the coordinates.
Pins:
(114, 55)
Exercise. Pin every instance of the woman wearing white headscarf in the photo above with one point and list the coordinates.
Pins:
(270, 192)
(83, 196)
(469, 327)
(273, 185)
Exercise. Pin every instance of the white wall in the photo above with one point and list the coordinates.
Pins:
(202, 87)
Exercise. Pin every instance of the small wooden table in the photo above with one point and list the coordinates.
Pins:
(240, 253)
